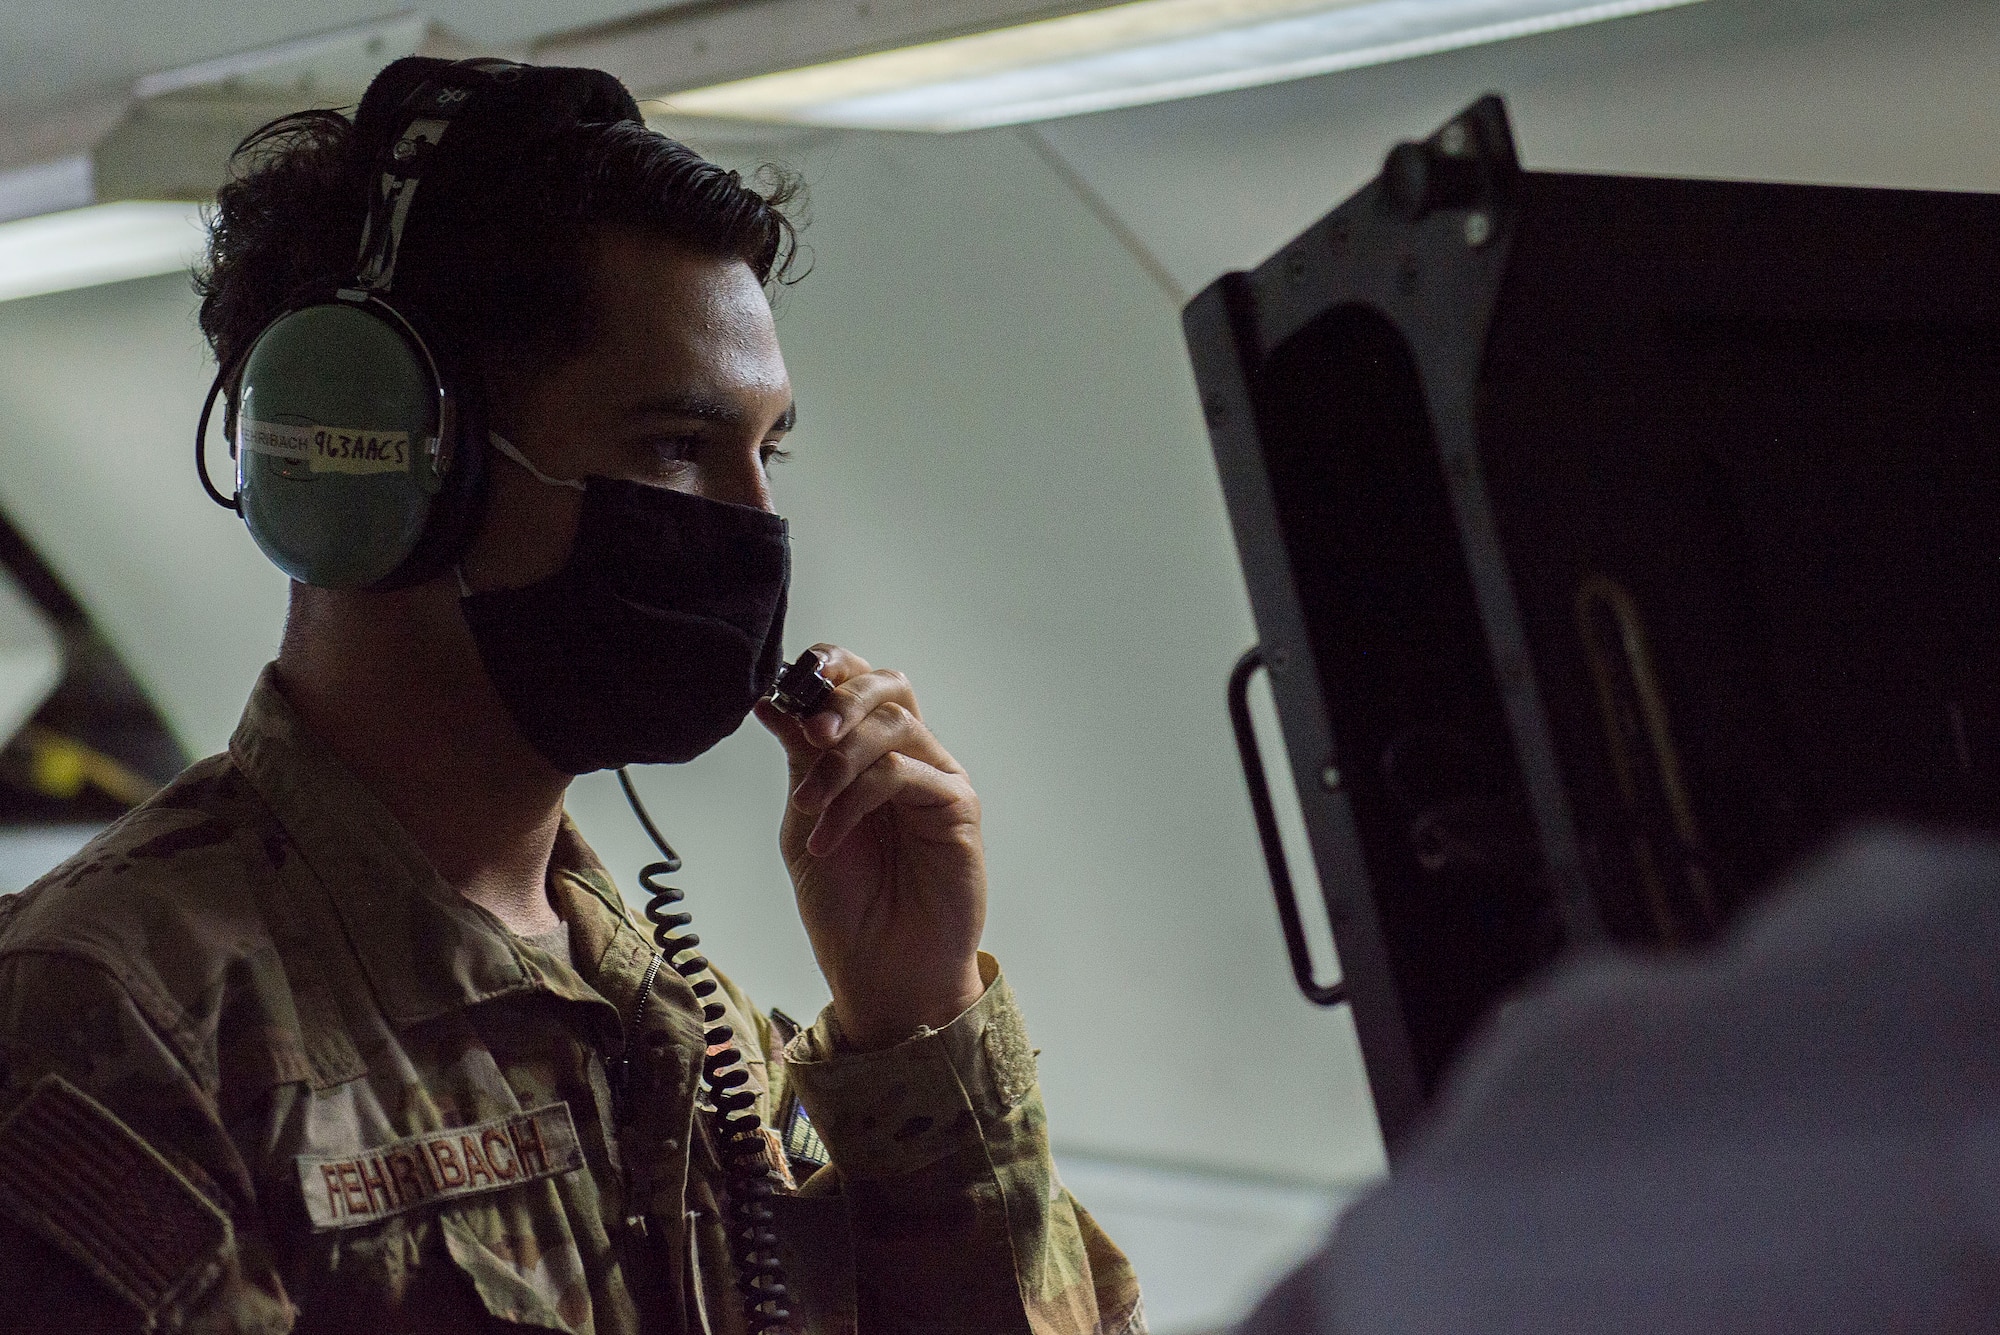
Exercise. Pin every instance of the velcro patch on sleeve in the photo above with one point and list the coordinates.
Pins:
(76, 1175)
(349, 1190)
(1009, 1057)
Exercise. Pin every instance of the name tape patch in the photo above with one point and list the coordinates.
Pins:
(352, 1190)
(328, 449)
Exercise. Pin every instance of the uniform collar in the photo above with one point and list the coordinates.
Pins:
(424, 948)
(607, 946)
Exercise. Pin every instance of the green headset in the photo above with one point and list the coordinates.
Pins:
(359, 438)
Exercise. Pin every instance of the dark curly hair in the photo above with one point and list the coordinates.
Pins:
(496, 253)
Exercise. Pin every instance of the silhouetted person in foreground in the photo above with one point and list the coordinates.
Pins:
(1798, 1131)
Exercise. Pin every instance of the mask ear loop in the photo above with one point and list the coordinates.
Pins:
(506, 447)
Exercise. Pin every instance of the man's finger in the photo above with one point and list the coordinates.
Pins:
(840, 666)
(857, 698)
(895, 778)
(888, 728)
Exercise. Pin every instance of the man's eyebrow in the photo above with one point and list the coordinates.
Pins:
(703, 408)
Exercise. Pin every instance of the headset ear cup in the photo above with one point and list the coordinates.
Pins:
(356, 459)
(335, 412)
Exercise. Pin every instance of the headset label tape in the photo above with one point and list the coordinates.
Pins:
(328, 449)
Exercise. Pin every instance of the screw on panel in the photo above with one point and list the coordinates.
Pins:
(1478, 228)
(1455, 141)
(1329, 778)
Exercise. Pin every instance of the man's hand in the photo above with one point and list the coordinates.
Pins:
(882, 839)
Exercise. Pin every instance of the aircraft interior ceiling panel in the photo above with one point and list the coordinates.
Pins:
(1859, 92)
(52, 55)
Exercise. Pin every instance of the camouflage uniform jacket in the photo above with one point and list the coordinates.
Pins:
(262, 1070)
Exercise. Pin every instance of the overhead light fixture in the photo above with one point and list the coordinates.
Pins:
(1128, 55)
(104, 243)
(121, 196)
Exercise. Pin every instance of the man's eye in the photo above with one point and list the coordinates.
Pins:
(672, 449)
(774, 454)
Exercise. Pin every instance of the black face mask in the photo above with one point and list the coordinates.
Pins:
(654, 639)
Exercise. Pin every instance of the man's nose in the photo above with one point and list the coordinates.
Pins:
(741, 481)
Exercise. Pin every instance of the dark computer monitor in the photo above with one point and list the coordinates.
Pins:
(1612, 542)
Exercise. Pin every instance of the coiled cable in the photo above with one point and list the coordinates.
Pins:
(748, 1188)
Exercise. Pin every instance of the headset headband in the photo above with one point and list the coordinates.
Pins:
(425, 114)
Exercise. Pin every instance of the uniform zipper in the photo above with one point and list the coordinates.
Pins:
(632, 1033)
